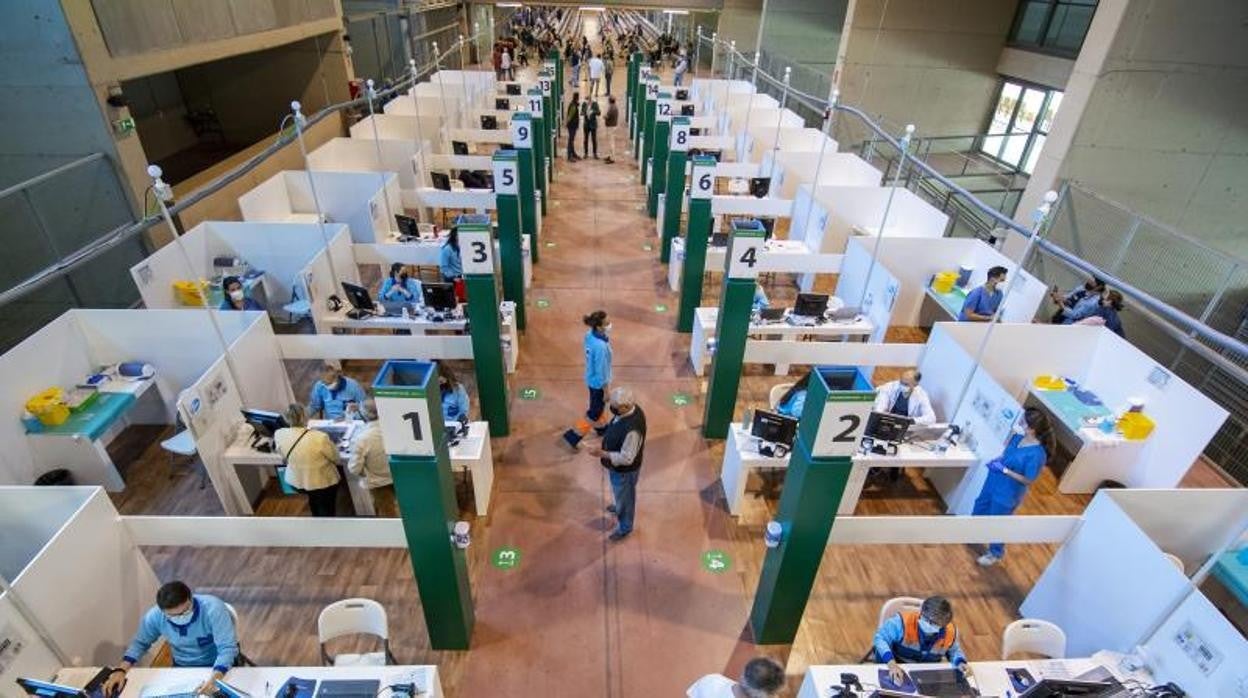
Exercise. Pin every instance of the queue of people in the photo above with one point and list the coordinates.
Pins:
(1090, 303)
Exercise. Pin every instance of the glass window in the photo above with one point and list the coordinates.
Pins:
(1020, 124)
(1005, 108)
(1052, 26)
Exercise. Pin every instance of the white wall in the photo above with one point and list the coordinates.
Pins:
(31, 522)
(265, 382)
(1190, 523)
(36, 661)
(354, 198)
(863, 207)
(794, 168)
(358, 154)
(1170, 663)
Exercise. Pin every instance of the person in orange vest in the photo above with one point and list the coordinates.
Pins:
(924, 636)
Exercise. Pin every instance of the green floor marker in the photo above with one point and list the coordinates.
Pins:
(530, 393)
(716, 561)
(506, 558)
(550, 244)
(681, 399)
(647, 247)
(543, 303)
(660, 308)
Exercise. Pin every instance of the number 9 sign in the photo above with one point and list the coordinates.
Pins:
(476, 251)
(703, 181)
(506, 177)
(522, 133)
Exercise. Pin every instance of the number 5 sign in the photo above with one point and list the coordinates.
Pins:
(844, 420)
(506, 179)
(476, 251)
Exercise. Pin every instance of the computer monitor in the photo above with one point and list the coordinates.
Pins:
(1059, 688)
(489, 122)
(719, 239)
(264, 422)
(695, 132)
(760, 186)
(773, 428)
(44, 689)
(459, 147)
(408, 226)
(513, 88)
(502, 104)
(441, 180)
(811, 304)
(769, 227)
(688, 109)
(360, 299)
(439, 295)
(886, 426)
(942, 683)
(682, 95)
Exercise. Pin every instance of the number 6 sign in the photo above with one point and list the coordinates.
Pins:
(703, 181)
(476, 252)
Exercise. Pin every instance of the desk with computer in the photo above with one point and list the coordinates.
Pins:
(814, 317)
(764, 439)
(250, 458)
(247, 682)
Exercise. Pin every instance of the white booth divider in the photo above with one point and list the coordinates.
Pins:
(1194, 624)
(405, 128)
(354, 198)
(764, 351)
(359, 154)
(764, 138)
(267, 531)
(81, 552)
(792, 168)
(283, 251)
(913, 261)
(874, 291)
(1191, 524)
(379, 347)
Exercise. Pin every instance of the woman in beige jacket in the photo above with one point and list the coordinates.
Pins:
(311, 461)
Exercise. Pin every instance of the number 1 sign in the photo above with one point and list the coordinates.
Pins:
(405, 426)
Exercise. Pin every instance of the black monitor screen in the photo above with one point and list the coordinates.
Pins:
(885, 426)
(682, 95)
(513, 88)
(719, 239)
(688, 110)
(502, 104)
(1055, 688)
(264, 422)
(358, 296)
(773, 428)
(488, 122)
(441, 180)
(811, 304)
(459, 147)
(769, 227)
(407, 225)
(438, 295)
(760, 186)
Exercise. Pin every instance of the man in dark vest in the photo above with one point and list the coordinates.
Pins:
(623, 445)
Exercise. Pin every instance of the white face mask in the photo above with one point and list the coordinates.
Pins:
(182, 618)
(928, 627)
(1020, 430)
(606, 328)
(236, 294)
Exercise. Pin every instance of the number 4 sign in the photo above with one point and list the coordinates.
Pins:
(744, 250)
(476, 251)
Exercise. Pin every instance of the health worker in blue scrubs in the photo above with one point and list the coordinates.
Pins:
(235, 297)
(454, 396)
(982, 303)
(399, 286)
(597, 378)
(336, 396)
(1009, 475)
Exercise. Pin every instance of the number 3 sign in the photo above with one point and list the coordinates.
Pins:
(476, 251)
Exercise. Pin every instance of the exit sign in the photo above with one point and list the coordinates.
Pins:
(124, 127)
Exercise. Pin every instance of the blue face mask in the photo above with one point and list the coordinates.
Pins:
(927, 627)
(182, 618)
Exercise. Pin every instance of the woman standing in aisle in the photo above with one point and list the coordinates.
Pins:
(1029, 448)
(597, 378)
(311, 461)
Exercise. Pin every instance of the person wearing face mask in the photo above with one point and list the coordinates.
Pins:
(904, 397)
(597, 378)
(927, 636)
(197, 628)
(235, 298)
(1106, 313)
(982, 303)
(621, 452)
(399, 285)
(1009, 474)
(454, 396)
(1079, 303)
(335, 396)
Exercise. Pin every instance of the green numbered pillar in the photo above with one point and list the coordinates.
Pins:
(554, 62)
(550, 108)
(838, 401)
(409, 410)
(732, 325)
(645, 126)
(630, 90)
(522, 131)
(658, 153)
(636, 99)
(697, 230)
(540, 144)
(510, 230)
(674, 179)
(476, 251)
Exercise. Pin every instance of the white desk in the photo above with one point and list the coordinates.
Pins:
(705, 318)
(989, 677)
(418, 325)
(260, 682)
(80, 444)
(473, 454)
(427, 253)
(741, 456)
(1098, 456)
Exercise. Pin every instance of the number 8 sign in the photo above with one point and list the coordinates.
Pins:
(476, 251)
(680, 137)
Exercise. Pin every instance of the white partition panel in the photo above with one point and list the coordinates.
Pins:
(834, 169)
(30, 519)
(89, 585)
(860, 211)
(950, 530)
(1186, 419)
(211, 409)
(1108, 586)
(37, 660)
(1190, 523)
(841, 353)
(354, 198)
(265, 383)
(381, 347)
(1012, 358)
(873, 288)
(1174, 649)
(360, 154)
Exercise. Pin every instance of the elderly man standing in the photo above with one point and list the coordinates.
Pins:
(623, 445)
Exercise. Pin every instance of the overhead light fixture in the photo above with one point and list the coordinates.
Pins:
(594, 8)
(508, 4)
(676, 12)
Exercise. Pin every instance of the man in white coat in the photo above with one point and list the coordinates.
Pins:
(905, 398)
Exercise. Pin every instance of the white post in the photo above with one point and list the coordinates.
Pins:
(697, 52)
(300, 122)
(904, 144)
(420, 128)
(371, 93)
(437, 73)
(714, 51)
(463, 80)
(823, 147)
(784, 99)
(749, 107)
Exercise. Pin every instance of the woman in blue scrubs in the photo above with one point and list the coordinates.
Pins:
(1009, 474)
(454, 396)
(399, 286)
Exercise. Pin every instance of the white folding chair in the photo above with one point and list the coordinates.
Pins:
(183, 444)
(1033, 636)
(354, 617)
(242, 659)
(1177, 562)
(777, 392)
(890, 608)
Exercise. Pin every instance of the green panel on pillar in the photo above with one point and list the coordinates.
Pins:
(536, 106)
(410, 415)
(483, 315)
(523, 135)
(647, 122)
(838, 400)
(732, 326)
(674, 184)
(698, 229)
(510, 230)
(662, 136)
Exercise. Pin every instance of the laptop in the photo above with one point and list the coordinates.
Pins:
(771, 314)
(349, 689)
(845, 314)
(395, 308)
(942, 683)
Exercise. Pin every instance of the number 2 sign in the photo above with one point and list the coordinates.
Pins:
(844, 420)
(476, 251)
